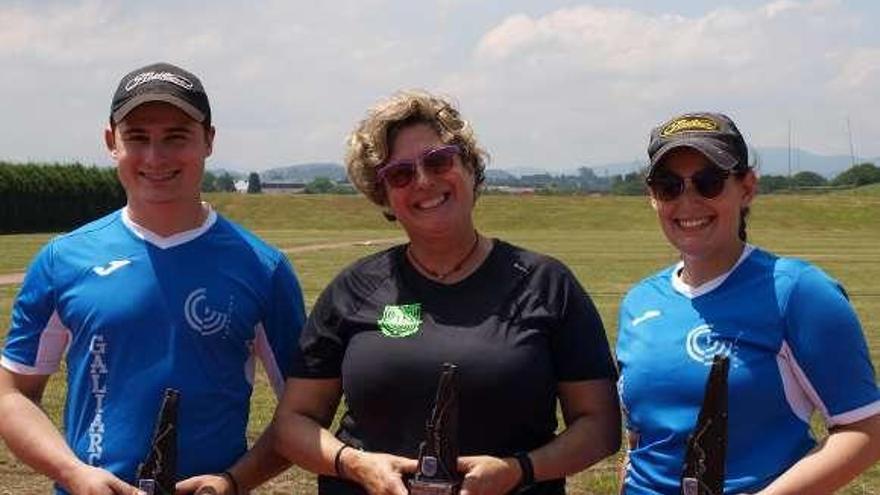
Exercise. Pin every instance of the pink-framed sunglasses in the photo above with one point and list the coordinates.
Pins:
(434, 161)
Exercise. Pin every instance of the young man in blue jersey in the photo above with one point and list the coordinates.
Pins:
(164, 293)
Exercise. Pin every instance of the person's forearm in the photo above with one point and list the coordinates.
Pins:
(587, 440)
(32, 437)
(306, 443)
(840, 457)
(259, 464)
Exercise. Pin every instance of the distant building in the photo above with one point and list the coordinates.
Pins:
(511, 189)
(241, 186)
(283, 187)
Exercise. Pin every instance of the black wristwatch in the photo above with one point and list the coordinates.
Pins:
(528, 471)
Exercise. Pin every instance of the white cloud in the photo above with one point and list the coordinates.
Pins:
(589, 81)
(546, 83)
(860, 70)
(782, 6)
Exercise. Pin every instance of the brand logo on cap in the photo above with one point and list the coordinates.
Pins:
(689, 124)
(169, 77)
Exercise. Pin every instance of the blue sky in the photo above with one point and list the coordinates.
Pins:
(550, 83)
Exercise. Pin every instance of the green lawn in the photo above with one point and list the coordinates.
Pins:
(610, 243)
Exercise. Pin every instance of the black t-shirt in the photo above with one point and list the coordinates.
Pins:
(515, 328)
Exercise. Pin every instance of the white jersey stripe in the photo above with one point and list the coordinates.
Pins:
(19, 368)
(855, 415)
(54, 341)
(267, 357)
(799, 392)
(804, 398)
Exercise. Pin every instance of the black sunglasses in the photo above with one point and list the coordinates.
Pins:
(436, 161)
(709, 183)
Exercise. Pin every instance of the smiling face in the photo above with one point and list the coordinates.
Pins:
(160, 155)
(431, 206)
(701, 228)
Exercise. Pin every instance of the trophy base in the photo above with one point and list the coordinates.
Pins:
(417, 487)
(147, 486)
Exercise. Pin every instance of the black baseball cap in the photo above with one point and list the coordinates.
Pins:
(712, 134)
(161, 82)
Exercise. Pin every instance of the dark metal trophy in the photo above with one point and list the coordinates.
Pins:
(158, 473)
(707, 444)
(437, 472)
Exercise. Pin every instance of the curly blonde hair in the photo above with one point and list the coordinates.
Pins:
(369, 145)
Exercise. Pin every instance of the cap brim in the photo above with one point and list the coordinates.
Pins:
(715, 152)
(138, 100)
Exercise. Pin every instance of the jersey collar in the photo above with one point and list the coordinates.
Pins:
(174, 239)
(691, 292)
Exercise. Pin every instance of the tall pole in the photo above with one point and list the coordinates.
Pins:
(790, 185)
(852, 152)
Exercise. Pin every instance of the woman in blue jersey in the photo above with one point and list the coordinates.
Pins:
(521, 330)
(793, 341)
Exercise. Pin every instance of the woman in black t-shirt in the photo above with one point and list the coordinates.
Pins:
(518, 325)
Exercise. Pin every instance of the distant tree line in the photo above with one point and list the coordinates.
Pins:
(218, 183)
(325, 185)
(633, 183)
(857, 175)
(55, 197)
(584, 181)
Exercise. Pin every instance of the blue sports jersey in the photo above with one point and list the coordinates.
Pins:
(795, 347)
(136, 314)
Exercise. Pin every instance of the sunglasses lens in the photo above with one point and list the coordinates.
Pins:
(710, 182)
(400, 175)
(666, 187)
(438, 161)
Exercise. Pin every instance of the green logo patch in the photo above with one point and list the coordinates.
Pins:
(401, 321)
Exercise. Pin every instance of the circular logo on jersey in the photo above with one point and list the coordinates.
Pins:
(400, 321)
(203, 318)
(703, 346)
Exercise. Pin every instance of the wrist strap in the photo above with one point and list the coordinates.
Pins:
(337, 461)
(528, 470)
(232, 481)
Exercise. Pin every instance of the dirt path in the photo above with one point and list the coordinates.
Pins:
(16, 278)
(336, 245)
(11, 278)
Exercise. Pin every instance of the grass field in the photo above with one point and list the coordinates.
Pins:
(610, 243)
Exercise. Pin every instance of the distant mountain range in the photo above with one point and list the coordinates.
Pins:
(775, 161)
(769, 161)
(305, 172)
(225, 168)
